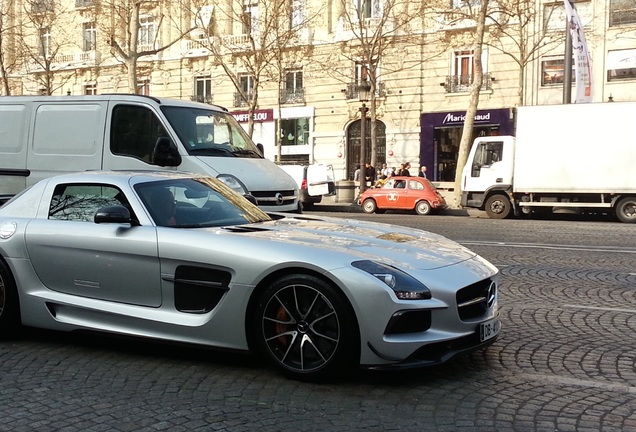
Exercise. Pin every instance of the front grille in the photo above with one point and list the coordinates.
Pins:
(273, 198)
(475, 300)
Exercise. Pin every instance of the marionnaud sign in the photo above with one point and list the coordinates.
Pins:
(459, 118)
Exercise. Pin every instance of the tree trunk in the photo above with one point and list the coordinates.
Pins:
(475, 88)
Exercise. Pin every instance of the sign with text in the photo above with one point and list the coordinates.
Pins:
(264, 115)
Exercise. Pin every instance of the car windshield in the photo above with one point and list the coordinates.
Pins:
(210, 132)
(196, 202)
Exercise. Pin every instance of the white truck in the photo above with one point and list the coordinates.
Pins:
(41, 136)
(567, 157)
(314, 181)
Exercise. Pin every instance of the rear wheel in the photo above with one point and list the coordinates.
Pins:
(498, 206)
(9, 305)
(305, 327)
(422, 208)
(369, 205)
(626, 210)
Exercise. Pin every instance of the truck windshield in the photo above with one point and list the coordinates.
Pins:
(210, 133)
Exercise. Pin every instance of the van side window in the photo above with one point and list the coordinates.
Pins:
(134, 132)
(79, 202)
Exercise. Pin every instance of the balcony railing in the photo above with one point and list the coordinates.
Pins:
(66, 60)
(292, 96)
(461, 83)
(238, 100)
(202, 98)
(351, 92)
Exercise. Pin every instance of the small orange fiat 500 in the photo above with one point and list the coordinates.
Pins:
(403, 193)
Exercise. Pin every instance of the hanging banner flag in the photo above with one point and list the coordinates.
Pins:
(582, 61)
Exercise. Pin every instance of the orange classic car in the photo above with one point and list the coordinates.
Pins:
(403, 193)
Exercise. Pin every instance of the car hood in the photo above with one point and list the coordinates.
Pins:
(252, 172)
(341, 239)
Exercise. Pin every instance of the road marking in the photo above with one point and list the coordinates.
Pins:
(578, 382)
(611, 249)
(607, 309)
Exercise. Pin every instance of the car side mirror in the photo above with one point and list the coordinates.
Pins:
(113, 214)
(261, 149)
(165, 153)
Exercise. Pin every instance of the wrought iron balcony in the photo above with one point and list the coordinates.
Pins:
(239, 101)
(351, 92)
(461, 83)
(292, 96)
(202, 98)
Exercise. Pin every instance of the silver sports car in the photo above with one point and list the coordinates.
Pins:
(179, 257)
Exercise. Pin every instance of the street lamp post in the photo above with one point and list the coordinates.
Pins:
(363, 94)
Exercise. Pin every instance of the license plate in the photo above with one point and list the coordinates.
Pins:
(489, 329)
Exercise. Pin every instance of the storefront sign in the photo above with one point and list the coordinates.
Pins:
(265, 115)
(453, 119)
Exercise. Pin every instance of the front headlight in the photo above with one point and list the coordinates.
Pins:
(405, 286)
(234, 183)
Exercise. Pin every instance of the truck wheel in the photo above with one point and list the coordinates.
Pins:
(369, 206)
(626, 210)
(422, 208)
(498, 206)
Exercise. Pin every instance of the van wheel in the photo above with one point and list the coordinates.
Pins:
(9, 304)
(498, 206)
(626, 210)
(369, 206)
(422, 208)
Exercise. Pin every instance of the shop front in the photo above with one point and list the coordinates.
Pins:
(441, 134)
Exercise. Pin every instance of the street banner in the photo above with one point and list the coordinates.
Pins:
(582, 61)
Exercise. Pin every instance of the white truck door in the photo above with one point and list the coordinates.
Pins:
(489, 163)
(319, 178)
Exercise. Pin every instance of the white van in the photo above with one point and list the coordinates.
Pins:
(42, 136)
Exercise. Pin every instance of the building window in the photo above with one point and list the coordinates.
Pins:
(297, 18)
(294, 131)
(294, 91)
(143, 86)
(621, 65)
(622, 12)
(249, 19)
(204, 22)
(89, 33)
(147, 33)
(463, 62)
(45, 41)
(203, 89)
(247, 86)
(552, 72)
(456, 4)
(90, 88)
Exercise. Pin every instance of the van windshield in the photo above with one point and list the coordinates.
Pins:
(210, 133)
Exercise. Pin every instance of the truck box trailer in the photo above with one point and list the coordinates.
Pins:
(41, 136)
(574, 156)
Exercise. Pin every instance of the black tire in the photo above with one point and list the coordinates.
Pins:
(369, 205)
(626, 210)
(306, 328)
(423, 208)
(9, 304)
(498, 206)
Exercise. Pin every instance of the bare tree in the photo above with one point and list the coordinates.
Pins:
(377, 30)
(514, 31)
(8, 57)
(249, 40)
(475, 89)
(133, 27)
(42, 37)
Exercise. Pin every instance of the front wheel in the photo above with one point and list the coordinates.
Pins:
(306, 328)
(498, 206)
(423, 208)
(369, 206)
(9, 304)
(626, 210)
